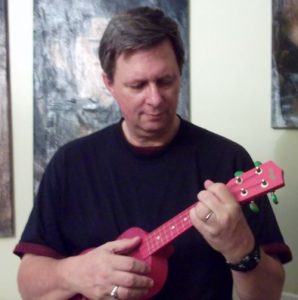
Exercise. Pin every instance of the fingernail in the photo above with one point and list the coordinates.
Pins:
(151, 282)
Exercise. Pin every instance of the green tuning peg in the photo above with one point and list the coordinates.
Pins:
(258, 168)
(253, 207)
(238, 173)
(274, 198)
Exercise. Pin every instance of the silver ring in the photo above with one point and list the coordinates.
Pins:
(208, 216)
(114, 292)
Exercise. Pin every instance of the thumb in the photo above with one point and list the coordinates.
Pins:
(207, 183)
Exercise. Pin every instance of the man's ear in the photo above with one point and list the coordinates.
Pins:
(107, 82)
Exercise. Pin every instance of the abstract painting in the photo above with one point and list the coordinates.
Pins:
(69, 97)
(6, 211)
(284, 64)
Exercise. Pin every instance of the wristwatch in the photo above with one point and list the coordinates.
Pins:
(248, 262)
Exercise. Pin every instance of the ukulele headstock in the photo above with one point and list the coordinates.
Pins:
(262, 179)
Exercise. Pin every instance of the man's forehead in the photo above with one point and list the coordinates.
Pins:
(126, 54)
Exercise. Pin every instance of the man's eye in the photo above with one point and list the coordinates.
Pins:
(166, 81)
(137, 86)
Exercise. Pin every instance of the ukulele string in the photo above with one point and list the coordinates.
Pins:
(167, 232)
(163, 235)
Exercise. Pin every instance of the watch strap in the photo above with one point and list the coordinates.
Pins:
(248, 262)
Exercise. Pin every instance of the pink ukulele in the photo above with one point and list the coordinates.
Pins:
(155, 247)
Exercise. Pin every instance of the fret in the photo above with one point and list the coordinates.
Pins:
(250, 182)
(258, 181)
(166, 233)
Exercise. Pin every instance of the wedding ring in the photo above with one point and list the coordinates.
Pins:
(114, 292)
(208, 216)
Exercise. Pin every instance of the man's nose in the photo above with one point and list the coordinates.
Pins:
(154, 96)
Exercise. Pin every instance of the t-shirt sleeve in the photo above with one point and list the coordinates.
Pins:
(42, 234)
(266, 230)
(264, 224)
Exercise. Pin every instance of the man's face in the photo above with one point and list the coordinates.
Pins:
(146, 86)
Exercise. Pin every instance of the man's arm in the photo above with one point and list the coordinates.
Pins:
(40, 277)
(220, 220)
(93, 274)
(264, 282)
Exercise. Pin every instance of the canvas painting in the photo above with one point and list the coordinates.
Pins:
(285, 64)
(6, 211)
(69, 97)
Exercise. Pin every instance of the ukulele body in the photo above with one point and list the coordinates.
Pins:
(158, 262)
(155, 247)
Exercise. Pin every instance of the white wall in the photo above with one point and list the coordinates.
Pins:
(230, 71)
(20, 35)
(231, 90)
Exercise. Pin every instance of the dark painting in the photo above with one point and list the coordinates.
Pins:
(285, 64)
(70, 99)
(6, 215)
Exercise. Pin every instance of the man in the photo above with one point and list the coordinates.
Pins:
(142, 172)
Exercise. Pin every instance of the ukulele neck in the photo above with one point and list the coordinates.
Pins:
(254, 183)
(166, 233)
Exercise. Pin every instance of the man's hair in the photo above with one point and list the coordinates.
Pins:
(135, 29)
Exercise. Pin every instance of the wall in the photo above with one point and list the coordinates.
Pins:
(20, 35)
(231, 90)
(230, 70)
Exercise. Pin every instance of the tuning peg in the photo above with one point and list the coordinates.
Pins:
(274, 198)
(253, 207)
(237, 175)
(258, 168)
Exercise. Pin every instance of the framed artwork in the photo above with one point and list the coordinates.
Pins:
(70, 99)
(6, 198)
(284, 64)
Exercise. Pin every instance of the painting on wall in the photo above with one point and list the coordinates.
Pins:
(284, 64)
(6, 201)
(70, 99)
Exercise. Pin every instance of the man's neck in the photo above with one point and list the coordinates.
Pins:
(147, 140)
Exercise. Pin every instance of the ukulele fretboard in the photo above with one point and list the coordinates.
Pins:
(166, 233)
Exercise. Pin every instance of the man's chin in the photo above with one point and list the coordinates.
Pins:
(157, 125)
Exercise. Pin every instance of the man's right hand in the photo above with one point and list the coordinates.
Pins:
(92, 275)
(95, 273)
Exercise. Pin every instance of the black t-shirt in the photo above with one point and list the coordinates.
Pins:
(98, 186)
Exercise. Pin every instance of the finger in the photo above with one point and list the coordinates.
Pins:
(196, 220)
(201, 210)
(123, 246)
(220, 191)
(131, 280)
(202, 220)
(209, 202)
(130, 264)
(207, 183)
(131, 293)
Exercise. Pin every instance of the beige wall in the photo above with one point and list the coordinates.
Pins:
(230, 92)
(20, 35)
(230, 71)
